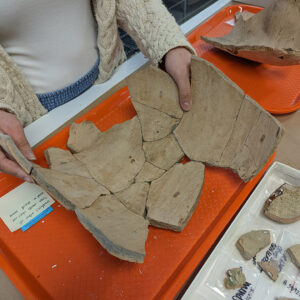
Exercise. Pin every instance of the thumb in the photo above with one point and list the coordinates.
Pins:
(21, 142)
(184, 88)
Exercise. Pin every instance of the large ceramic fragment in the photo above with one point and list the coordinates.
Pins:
(250, 243)
(234, 279)
(155, 124)
(224, 127)
(63, 161)
(121, 232)
(117, 157)
(70, 190)
(263, 138)
(294, 253)
(271, 268)
(134, 197)
(271, 36)
(242, 161)
(148, 173)
(82, 136)
(163, 153)
(57, 156)
(155, 88)
(283, 205)
(174, 196)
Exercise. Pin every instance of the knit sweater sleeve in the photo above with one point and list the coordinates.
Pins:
(9, 100)
(16, 95)
(152, 27)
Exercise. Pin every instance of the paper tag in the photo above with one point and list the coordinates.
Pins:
(23, 204)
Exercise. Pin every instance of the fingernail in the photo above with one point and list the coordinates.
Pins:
(186, 105)
(29, 179)
(30, 155)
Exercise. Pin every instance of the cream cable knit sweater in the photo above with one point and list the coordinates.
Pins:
(147, 21)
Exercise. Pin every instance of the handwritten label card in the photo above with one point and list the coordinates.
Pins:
(23, 204)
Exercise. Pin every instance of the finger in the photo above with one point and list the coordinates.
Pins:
(184, 88)
(21, 142)
(12, 168)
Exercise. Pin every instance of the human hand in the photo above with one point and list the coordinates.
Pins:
(177, 64)
(10, 125)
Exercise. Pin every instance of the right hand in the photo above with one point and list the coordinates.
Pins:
(178, 65)
(10, 125)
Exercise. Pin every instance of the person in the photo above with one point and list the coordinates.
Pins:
(50, 52)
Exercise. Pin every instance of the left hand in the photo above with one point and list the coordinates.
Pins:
(177, 64)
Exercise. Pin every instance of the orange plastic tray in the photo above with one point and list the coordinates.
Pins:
(276, 89)
(58, 259)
